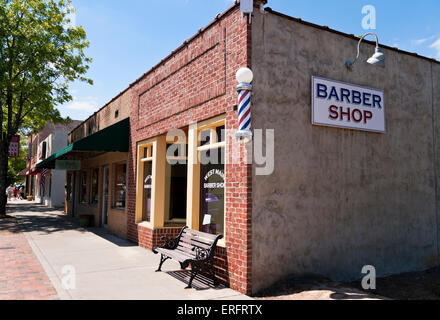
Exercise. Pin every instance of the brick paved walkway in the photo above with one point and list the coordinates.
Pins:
(21, 275)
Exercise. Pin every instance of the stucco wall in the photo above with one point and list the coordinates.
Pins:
(342, 199)
(58, 183)
(113, 112)
(56, 180)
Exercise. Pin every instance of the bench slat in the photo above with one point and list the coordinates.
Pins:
(186, 249)
(206, 236)
(194, 243)
(175, 254)
(187, 255)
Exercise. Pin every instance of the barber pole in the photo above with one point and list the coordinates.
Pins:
(244, 89)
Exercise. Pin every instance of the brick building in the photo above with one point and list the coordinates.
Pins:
(336, 200)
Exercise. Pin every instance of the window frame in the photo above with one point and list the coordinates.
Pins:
(158, 159)
(194, 149)
(176, 221)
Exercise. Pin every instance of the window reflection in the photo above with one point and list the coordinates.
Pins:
(147, 186)
(212, 197)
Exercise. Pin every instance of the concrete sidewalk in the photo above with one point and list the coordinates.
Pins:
(102, 266)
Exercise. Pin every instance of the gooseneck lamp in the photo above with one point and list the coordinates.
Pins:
(244, 78)
(377, 59)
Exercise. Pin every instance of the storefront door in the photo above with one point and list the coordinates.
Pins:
(105, 193)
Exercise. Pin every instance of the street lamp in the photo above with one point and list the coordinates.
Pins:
(244, 78)
(377, 59)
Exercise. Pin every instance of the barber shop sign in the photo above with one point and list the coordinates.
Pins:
(343, 105)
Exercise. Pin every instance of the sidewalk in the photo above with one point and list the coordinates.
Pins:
(102, 266)
(21, 274)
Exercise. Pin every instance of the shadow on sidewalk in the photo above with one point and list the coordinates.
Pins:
(35, 217)
(32, 217)
(200, 282)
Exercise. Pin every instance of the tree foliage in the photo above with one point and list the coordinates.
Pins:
(39, 57)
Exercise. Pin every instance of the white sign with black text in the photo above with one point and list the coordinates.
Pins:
(344, 105)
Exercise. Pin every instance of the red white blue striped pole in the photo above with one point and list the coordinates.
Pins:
(244, 89)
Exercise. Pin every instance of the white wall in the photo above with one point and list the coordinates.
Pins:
(56, 180)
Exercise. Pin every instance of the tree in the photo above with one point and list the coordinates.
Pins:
(39, 57)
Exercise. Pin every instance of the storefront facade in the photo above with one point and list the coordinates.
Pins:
(194, 91)
(47, 187)
(336, 200)
(340, 199)
(97, 187)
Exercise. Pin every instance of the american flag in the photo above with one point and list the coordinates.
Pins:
(43, 176)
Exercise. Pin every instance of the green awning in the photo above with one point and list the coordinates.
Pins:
(111, 139)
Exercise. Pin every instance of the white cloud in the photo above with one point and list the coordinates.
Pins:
(419, 42)
(89, 104)
(436, 46)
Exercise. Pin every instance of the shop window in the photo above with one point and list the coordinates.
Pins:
(151, 182)
(43, 150)
(94, 196)
(176, 184)
(212, 191)
(206, 176)
(83, 192)
(211, 155)
(147, 182)
(120, 185)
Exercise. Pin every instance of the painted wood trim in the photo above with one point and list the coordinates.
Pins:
(212, 146)
(193, 183)
(159, 179)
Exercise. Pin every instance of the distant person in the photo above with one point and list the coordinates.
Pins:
(21, 193)
(15, 192)
(9, 191)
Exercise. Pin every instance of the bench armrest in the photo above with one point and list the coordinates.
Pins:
(170, 243)
(202, 254)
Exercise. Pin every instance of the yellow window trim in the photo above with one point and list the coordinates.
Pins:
(193, 183)
(212, 146)
(158, 159)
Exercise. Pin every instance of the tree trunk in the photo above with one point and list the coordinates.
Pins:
(3, 178)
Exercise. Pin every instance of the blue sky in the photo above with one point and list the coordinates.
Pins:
(129, 37)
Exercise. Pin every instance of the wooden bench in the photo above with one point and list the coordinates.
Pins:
(193, 248)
